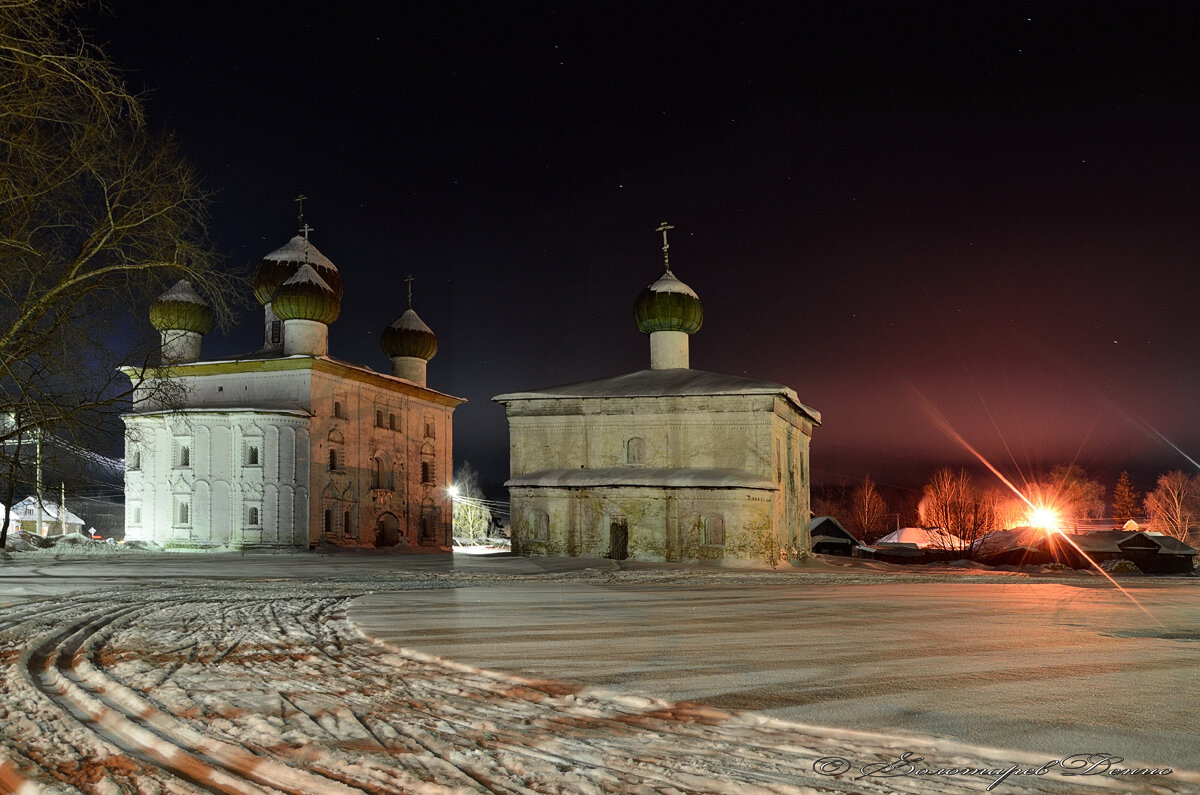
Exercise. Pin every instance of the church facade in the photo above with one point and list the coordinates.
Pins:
(286, 447)
(668, 463)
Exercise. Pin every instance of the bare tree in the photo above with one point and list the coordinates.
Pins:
(868, 511)
(472, 518)
(1174, 506)
(953, 505)
(832, 500)
(97, 216)
(1071, 494)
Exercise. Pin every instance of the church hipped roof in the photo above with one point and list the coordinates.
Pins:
(282, 263)
(181, 309)
(661, 383)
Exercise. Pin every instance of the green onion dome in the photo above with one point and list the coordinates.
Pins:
(668, 305)
(409, 336)
(306, 296)
(281, 264)
(181, 309)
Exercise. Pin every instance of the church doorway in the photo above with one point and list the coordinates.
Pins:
(387, 531)
(618, 538)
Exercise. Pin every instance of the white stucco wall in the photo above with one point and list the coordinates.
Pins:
(207, 499)
(393, 445)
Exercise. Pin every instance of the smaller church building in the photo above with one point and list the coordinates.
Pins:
(287, 447)
(668, 463)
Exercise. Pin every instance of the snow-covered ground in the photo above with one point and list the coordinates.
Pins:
(175, 673)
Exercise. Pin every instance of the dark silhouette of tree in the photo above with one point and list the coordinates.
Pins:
(867, 511)
(97, 217)
(954, 505)
(1126, 503)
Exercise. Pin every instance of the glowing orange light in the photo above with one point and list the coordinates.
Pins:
(1043, 518)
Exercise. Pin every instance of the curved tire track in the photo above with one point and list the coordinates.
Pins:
(269, 688)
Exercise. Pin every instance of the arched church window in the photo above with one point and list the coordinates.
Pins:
(252, 456)
(333, 460)
(378, 418)
(185, 456)
(426, 471)
(328, 522)
(635, 451)
(391, 422)
(252, 517)
(184, 514)
(346, 523)
(134, 460)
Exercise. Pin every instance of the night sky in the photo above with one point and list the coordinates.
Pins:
(984, 210)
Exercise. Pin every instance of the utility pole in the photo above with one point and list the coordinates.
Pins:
(37, 437)
(62, 509)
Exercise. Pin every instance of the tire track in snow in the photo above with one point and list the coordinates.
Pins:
(60, 669)
(368, 717)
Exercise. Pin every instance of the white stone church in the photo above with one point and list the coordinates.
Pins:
(286, 447)
(668, 463)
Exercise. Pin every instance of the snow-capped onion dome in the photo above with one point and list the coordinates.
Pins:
(668, 305)
(409, 336)
(306, 296)
(181, 309)
(282, 263)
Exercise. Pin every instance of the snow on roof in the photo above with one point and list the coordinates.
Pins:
(659, 383)
(939, 539)
(27, 511)
(222, 410)
(410, 321)
(669, 283)
(687, 477)
(293, 251)
(182, 291)
(828, 527)
(308, 275)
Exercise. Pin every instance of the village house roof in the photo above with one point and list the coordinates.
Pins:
(663, 383)
(27, 511)
(1124, 541)
(655, 477)
(935, 538)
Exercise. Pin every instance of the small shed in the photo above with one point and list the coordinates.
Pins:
(1152, 553)
(830, 538)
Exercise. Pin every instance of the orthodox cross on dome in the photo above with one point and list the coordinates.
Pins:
(409, 279)
(304, 230)
(664, 227)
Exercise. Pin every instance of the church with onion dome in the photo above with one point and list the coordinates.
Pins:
(288, 447)
(668, 463)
